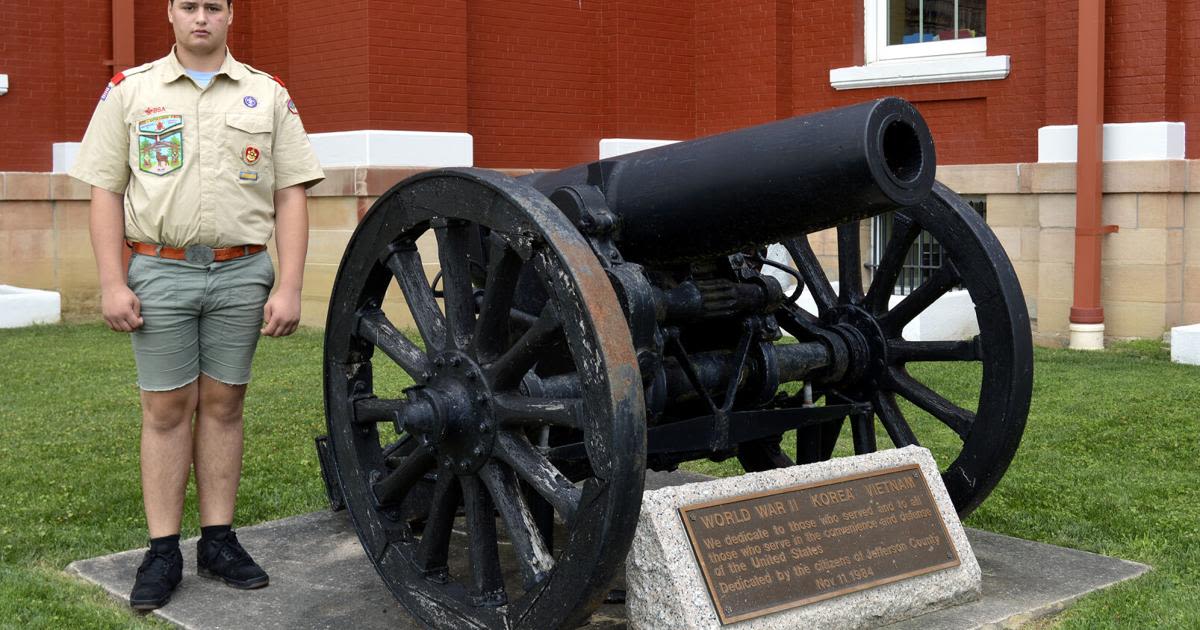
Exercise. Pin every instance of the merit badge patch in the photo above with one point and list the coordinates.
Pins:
(250, 102)
(292, 107)
(250, 155)
(248, 176)
(160, 144)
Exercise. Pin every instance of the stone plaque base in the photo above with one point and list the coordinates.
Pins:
(667, 590)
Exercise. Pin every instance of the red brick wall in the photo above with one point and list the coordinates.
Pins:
(649, 72)
(418, 65)
(539, 82)
(737, 59)
(535, 81)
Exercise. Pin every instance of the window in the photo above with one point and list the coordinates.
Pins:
(904, 29)
(908, 42)
(925, 255)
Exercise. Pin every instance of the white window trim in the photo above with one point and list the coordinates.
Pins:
(914, 64)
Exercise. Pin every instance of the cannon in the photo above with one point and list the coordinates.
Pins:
(588, 324)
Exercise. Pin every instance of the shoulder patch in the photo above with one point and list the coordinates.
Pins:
(121, 76)
(265, 74)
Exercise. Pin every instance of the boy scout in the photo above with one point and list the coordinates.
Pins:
(194, 160)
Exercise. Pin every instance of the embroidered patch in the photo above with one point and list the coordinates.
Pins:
(292, 107)
(248, 176)
(250, 102)
(250, 155)
(107, 89)
(154, 110)
(160, 144)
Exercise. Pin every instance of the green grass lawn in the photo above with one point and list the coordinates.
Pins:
(1109, 464)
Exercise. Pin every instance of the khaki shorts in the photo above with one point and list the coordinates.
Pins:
(198, 318)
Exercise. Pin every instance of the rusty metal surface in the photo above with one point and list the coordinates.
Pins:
(769, 551)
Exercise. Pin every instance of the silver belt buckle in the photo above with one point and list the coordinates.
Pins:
(198, 254)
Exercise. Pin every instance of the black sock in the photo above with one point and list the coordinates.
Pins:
(165, 543)
(214, 531)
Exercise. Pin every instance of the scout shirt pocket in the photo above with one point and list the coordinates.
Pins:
(159, 144)
(248, 141)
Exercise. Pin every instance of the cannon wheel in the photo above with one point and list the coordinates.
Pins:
(974, 259)
(475, 449)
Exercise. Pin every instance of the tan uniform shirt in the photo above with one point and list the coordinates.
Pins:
(204, 163)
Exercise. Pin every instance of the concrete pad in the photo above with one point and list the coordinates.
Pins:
(320, 578)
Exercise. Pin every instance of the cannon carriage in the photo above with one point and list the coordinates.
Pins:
(590, 323)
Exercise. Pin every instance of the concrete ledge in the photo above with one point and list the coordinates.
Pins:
(1185, 344)
(26, 307)
(369, 147)
(1122, 141)
(612, 147)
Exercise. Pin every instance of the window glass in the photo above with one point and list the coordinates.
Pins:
(916, 21)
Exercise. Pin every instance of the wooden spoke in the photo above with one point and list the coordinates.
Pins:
(862, 427)
(958, 419)
(453, 245)
(849, 264)
(920, 299)
(487, 583)
(534, 560)
(901, 351)
(535, 470)
(405, 265)
(374, 326)
(524, 411)
(814, 276)
(508, 370)
(492, 327)
(904, 231)
(394, 487)
(893, 421)
(434, 548)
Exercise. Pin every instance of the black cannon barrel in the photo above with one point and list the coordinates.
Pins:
(762, 184)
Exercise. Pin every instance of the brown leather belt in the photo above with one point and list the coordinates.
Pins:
(201, 254)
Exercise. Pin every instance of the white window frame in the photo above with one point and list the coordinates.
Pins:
(876, 39)
(913, 64)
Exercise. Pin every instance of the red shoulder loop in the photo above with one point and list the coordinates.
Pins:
(279, 81)
(117, 78)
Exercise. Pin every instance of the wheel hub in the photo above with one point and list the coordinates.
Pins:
(461, 398)
(864, 339)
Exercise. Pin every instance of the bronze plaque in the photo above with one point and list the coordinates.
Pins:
(765, 552)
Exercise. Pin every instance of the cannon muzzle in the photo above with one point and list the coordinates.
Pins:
(735, 190)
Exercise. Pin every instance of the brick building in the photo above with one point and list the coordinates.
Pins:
(539, 83)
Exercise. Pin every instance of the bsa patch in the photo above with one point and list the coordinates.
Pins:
(250, 155)
(250, 102)
(248, 176)
(160, 144)
(292, 107)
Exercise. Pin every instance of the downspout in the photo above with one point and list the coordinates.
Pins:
(1087, 316)
(122, 34)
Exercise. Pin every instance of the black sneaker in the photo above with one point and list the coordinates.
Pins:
(223, 558)
(158, 575)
